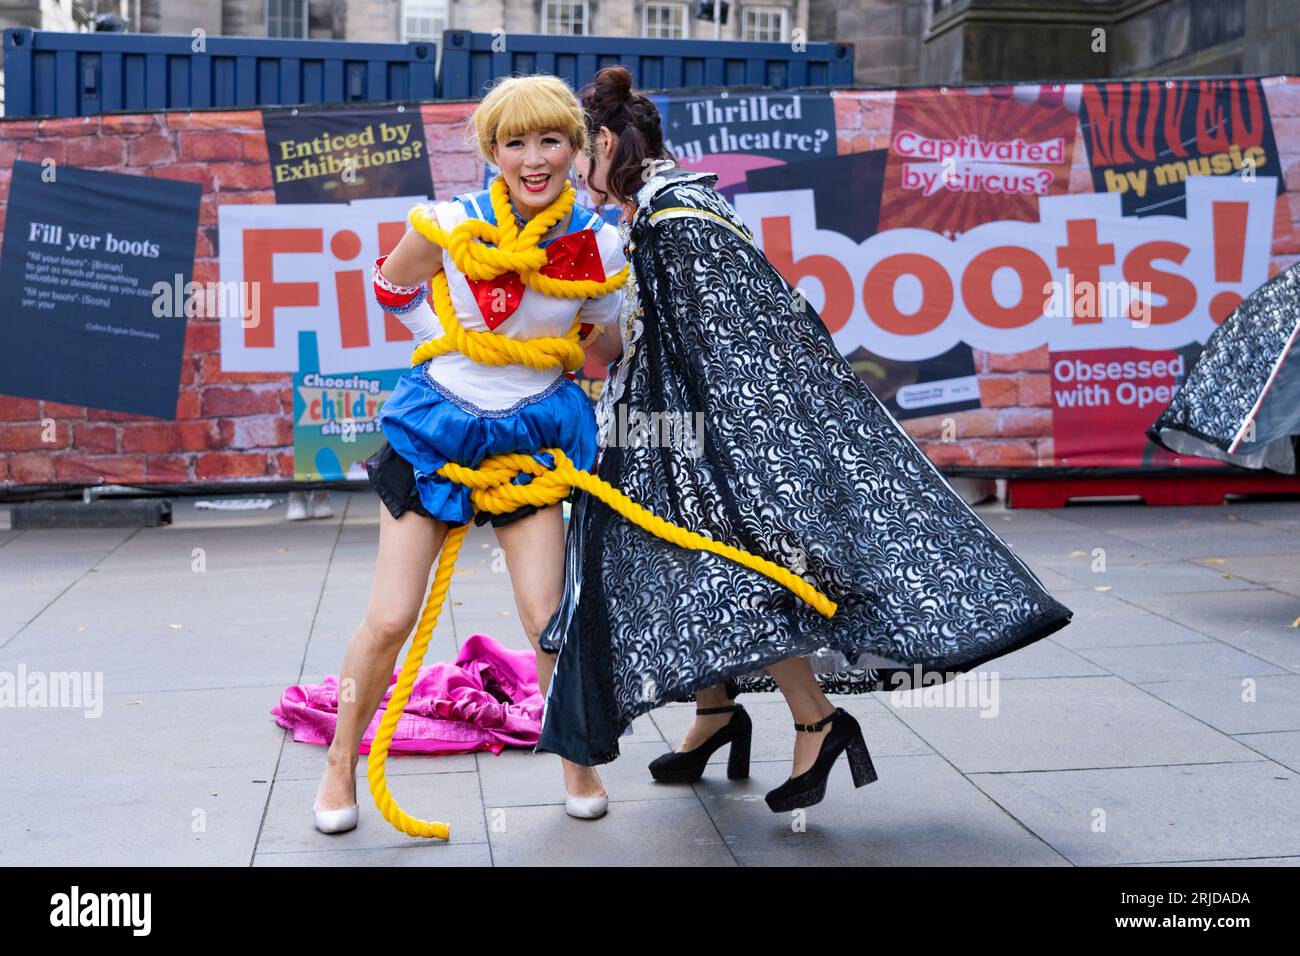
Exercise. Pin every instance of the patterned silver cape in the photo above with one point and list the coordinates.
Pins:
(795, 461)
(1240, 402)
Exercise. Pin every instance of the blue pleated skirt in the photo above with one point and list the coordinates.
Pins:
(429, 425)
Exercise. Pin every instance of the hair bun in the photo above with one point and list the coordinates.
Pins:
(609, 101)
(614, 83)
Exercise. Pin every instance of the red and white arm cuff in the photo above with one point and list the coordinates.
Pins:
(393, 297)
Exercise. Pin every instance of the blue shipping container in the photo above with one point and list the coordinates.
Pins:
(81, 74)
(472, 61)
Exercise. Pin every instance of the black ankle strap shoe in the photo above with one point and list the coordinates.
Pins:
(688, 766)
(845, 736)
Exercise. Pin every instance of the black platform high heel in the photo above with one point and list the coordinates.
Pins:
(809, 787)
(688, 766)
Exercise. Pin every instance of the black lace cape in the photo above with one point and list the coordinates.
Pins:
(1240, 402)
(800, 464)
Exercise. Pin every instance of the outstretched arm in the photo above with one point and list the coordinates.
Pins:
(413, 262)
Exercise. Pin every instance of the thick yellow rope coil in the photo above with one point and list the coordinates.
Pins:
(491, 484)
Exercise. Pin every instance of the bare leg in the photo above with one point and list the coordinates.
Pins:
(803, 695)
(706, 725)
(534, 550)
(807, 703)
(407, 547)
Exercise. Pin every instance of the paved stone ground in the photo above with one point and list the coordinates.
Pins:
(1162, 726)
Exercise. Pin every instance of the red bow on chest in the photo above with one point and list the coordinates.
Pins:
(572, 256)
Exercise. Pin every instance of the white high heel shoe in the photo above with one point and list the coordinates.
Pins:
(336, 821)
(586, 808)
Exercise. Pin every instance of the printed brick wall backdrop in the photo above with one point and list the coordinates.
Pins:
(1014, 428)
(230, 425)
(238, 426)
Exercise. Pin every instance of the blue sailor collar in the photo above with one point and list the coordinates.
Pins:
(478, 205)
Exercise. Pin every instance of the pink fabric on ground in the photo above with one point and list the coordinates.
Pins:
(486, 699)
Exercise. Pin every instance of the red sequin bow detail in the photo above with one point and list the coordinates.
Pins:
(572, 256)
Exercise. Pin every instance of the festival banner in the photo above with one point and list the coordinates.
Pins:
(311, 265)
(1007, 227)
(344, 153)
(92, 279)
(1022, 274)
(1144, 140)
(335, 417)
(330, 154)
(731, 133)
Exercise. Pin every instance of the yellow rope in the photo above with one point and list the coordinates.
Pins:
(491, 484)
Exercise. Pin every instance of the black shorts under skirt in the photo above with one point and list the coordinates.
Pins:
(393, 479)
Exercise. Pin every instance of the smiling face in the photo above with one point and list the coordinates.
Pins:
(534, 166)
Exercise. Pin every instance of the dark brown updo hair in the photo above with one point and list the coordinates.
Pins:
(609, 101)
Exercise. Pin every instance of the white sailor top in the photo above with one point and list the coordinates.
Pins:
(587, 248)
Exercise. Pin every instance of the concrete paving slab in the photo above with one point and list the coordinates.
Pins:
(1256, 861)
(1061, 551)
(1193, 598)
(1064, 723)
(325, 652)
(184, 732)
(1235, 705)
(920, 812)
(1259, 568)
(1157, 577)
(451, 798)
(1156, 814)
(515, 778)
(1244, 538)
(1283, 515)
(1282, 746)
(64, 541)
(1262, 622)
(156, 658)
(675, 832)
(30, 583)
(161, 817)
(1054, 580)
(1164, 662)
(304, 761)
(1131, 627)
(1046, 658)
(434, 854)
